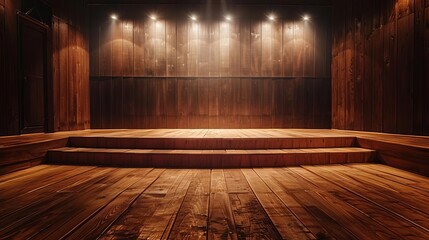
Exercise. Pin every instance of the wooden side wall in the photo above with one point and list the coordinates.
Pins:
(70, 64)
(380, 76)
(176, 73)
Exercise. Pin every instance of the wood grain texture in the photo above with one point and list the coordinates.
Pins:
(382, 46)
(189, 53)
(210, 102)
(357, 201)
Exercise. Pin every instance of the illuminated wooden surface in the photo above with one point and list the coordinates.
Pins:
(359, 201)
(402, 151)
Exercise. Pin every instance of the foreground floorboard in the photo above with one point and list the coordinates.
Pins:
(356, 201)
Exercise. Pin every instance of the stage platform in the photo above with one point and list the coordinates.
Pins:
(213, 148)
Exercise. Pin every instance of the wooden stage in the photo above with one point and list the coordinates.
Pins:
(214, 148)
(355, 201)
(214, 184)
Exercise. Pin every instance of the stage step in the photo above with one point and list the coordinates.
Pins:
(185, 158)
(211, 143)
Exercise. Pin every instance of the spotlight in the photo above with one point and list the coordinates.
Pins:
(193, 17)
(114, 16)
(228, 17)
(306, 17)
(153, 17)
(271, 17)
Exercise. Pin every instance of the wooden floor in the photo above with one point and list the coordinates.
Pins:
(358, 201)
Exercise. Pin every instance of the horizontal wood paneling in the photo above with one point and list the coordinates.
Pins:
(210, 73)
(379, 66)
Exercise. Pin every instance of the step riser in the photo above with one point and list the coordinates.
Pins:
(211, 143)
(207, 160)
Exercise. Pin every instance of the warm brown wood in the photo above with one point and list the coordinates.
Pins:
(286, 223)
(377, 66)
(402, 151)
(208, 158)
(209, 102)
(247, 46)
(221, 222)
(194, 212)
(359, 201)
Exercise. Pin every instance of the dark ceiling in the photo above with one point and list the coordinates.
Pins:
(241, 2)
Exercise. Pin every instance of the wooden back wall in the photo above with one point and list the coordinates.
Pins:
(211, 73)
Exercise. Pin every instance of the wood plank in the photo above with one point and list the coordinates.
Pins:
(221, 221)
(153, 213)
(193, 48)
(203, 49)
(361, 225)
(214, 49)
(182, 49)
(160, 48)
(266, 51)
(256, 48)
(139, 47)
(39, 197)
(250, 218)
(318, 222)
(98, 223)
(62, 206)
(288, 44)
(245, 48)
(127, 48)
(378, 208)
(404, 98)
(194, 212)
(171, 52)
(224, 49)
(286, 223)
(149, 47)
(309, 50)
(234, 48)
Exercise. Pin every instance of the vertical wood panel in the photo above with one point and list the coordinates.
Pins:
(245, 50)
(224, 49)
(309, 64)
(160, 49)
(234, 48)
(193, 48)
(127, 48)
(267, 61)
(203, 50)
(171, 41)
(256, 48)
(138, 48)
(214, 49)
(276, 48)
(149, 48)
(64, 76)
(405, 74)
(3, 107)
(182, 48)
